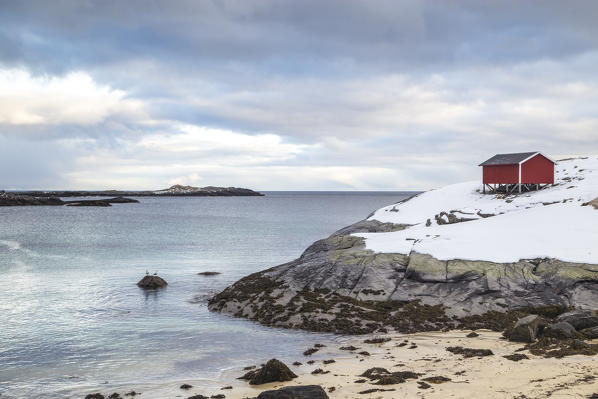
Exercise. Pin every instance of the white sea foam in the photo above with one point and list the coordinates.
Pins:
(11, 245)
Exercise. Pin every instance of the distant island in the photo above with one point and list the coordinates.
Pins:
(32, 198)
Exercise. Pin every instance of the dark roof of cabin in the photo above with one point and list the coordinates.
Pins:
(508, 159)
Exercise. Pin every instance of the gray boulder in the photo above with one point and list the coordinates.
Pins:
(273, 371)
(298, 392)
(527, 328)
(560, 330)
(590, 333)
(580, 318)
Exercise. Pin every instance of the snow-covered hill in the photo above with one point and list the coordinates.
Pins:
(550, 223)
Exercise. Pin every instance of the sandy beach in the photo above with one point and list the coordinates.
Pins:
(425, 354)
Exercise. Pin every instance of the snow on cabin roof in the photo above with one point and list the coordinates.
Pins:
(508, 159)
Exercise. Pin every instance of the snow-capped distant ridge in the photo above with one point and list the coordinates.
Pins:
(460, 222)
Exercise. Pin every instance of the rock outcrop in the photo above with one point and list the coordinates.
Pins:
(173, 191)
(337, 285)
(527, 328)
(12, 199)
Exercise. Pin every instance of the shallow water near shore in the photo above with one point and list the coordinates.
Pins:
(72, 317)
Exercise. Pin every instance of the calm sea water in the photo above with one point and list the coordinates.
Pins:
(71, 316)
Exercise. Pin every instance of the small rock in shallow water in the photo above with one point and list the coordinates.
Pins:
(94, 396)
(310, 351)
(208, 273)
(152, 282)
(472, 334)
(423, 385)
(348, 348)
(186, 386)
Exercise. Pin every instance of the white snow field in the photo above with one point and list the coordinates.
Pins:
(550, 223)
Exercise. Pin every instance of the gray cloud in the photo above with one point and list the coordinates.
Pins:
(378, 90)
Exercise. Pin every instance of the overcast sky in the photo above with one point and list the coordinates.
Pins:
(289, 95)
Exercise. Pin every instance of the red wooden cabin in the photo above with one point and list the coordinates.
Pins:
(525, 171)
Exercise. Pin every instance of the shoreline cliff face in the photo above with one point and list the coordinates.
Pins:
(370, 276)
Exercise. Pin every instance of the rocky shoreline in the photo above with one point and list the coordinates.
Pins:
(12, 199)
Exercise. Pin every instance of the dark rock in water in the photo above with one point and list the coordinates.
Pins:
(152, 282)
(132, 393)
(469, 352)
(186, 386)
(208, 273)
(423, 385)
(310, 351)
(348, 348)
(580, 318)
(273, 371)
(198, 397)
(115, 395)
(298, 392)
(472, 334)
(527, 328)
(561, 330)
(122, 200)
(94, 396)
(218, 396)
